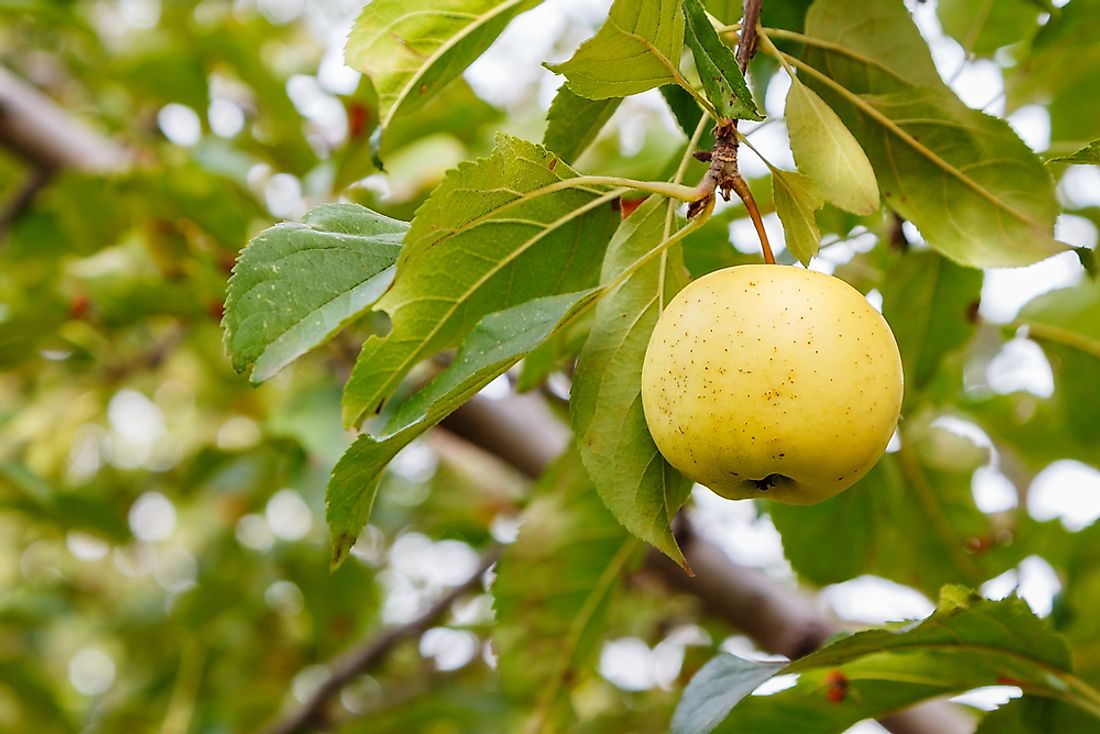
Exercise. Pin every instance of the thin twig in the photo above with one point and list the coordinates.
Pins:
(22, 199)
(898, 239)
(149, 360)
(360, 659)
(746, 44)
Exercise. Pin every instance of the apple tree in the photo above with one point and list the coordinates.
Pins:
(352, 381)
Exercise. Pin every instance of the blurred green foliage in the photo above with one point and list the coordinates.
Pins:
(164, 562)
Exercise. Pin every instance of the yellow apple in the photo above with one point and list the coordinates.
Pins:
(772, 381)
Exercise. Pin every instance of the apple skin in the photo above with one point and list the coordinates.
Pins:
(770, 381)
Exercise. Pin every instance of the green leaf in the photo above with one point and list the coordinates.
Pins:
(826, 151)
(496, 232)
(635, 482)
(1064, 322)
(968, 168)
(22, 330)
(930, 152)
(33, 693)
(36, 497)
(557, 353)
(790, 15)
(932, 155)
(1006, 635)
(718, 69)
(930, 305)
(554, 586)
(880, 46)
(636, 49)
(1074, 609)
(573, 122)
(871, 689)
(498, 342)
(725, 11)
(981, 27)
(454, 113)
(349, 496)
(1036, 716)
(465, 706)
(295, 285)
(968, 642)
(1062, 72)
(1035, 431)
(411, 49)
(796, 199)
(715, 690)
(1089, 154)
(912, 520)
(810, 539)
(1066, 316)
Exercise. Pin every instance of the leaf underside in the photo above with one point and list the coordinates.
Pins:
(297, 284)
(976, 192)
(498, 342)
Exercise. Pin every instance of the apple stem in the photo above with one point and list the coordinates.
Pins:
(723, 174)
(741, 188)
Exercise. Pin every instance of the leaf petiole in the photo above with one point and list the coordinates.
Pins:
(661, 188)
(762, 36)
(693, 224)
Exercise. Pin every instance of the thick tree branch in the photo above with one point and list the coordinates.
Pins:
(898, 240)
(521, 430)
(779, 619)
(312, 713)
(38, 130)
